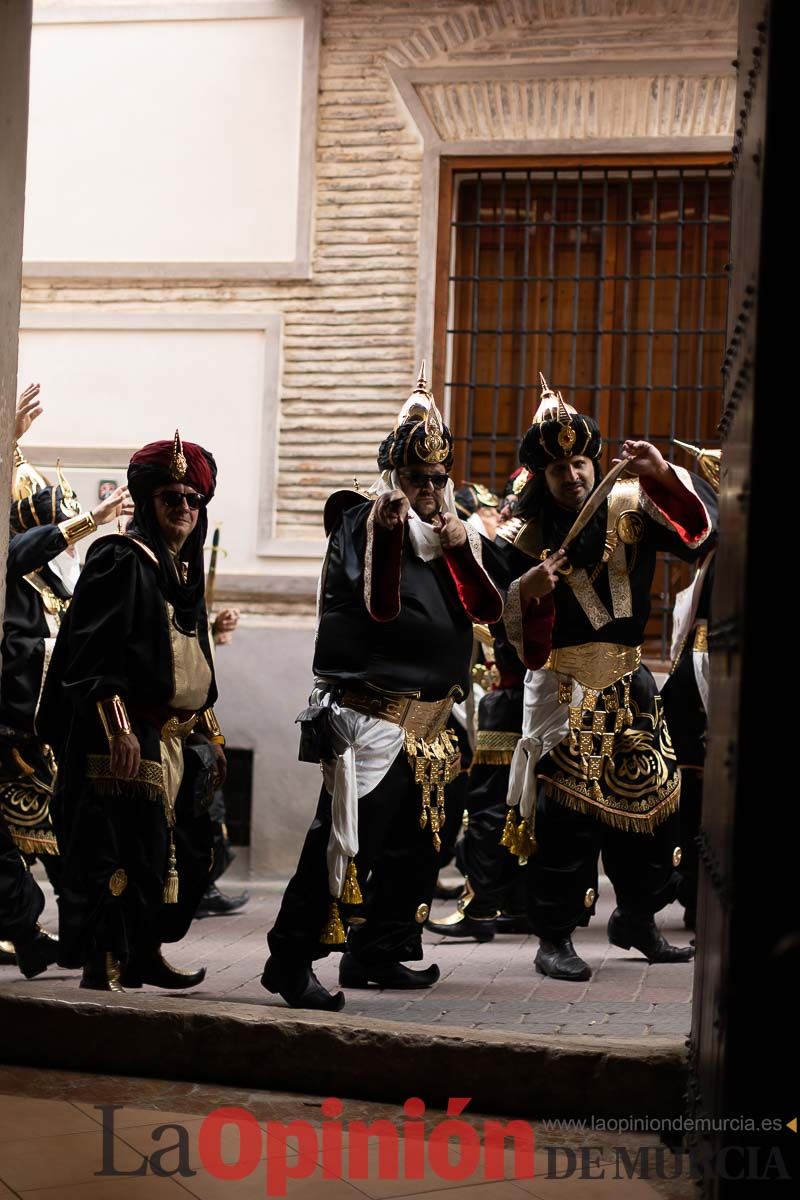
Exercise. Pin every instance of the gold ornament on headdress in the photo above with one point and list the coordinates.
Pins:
(566, 434)
(708, 462)
(552, 408)
(421, 407)
(70, 505)
(179, 466)
(485, 498)
(26, 481)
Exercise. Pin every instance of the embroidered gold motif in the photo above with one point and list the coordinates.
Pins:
(588, 598)
(118, 882)
(589, 898)
(630, 527)
(422, 914)
(677, 855)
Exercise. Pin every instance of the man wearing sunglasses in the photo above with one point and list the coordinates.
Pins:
(402, 583)
(127, 708)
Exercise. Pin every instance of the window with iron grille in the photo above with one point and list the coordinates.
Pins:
(611, 280)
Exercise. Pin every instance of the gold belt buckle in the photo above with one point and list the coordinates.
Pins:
(173, 728)
(394, 710)
(426, 719)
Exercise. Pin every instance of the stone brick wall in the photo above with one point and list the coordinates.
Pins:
(349, 331)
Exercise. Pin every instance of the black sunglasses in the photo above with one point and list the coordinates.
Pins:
(419, 479)
(175, 499)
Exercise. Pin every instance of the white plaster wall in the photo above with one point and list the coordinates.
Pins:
(264, 679)
(164, 141)
(111, 387)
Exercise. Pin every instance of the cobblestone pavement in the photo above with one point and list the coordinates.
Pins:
(488, 986)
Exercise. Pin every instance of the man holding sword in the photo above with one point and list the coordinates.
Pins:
(594, 771)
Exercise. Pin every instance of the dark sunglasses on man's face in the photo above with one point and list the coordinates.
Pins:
(175, 499)
(419, 479)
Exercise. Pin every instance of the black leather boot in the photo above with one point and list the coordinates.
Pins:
(355, 974)
(560, 960)
(299, 986)
(101, 973)
(151, 967)
(37, 954)
(640, 933)
(216, 904)
(462, 924)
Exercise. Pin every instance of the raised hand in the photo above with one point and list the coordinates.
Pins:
(391, 509)
(451, 530)
(28, 409)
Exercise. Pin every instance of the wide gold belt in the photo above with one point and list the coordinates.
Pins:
(422, 718)
(595, 664)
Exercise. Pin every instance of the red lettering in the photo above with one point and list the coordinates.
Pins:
(210, 1143)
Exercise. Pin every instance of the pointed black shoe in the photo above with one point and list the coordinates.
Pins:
(463, 925)
(355, 974)
(216, 904)
(8, 955)
(645, 937)
(38, 954)
(153, 968)
(560, 960)
(299, 987)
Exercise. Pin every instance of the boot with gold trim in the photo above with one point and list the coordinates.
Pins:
(101, 973)
(36, 954)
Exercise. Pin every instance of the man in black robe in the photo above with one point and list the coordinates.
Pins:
(595, 770)
(130, 685)
(41, 570)
(402, 584)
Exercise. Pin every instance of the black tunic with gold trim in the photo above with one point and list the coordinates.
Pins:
(394, 628)
(116, 836)
(36, 599)
(594, 721)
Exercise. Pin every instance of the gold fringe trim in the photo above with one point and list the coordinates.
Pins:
(351, 892)
(616, 818)
(435, 763)
(148, 780)
(38, 844)
(333, 931)
(493, 758)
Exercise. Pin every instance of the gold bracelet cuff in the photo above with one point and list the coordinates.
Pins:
(113, 716)
(78, 527)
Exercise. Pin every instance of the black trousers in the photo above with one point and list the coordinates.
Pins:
(565, 867)
(128, 832)
(21, 898)
(494, 875)
(686, 717)
(397, 867)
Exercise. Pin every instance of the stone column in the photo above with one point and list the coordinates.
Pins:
(15, 55)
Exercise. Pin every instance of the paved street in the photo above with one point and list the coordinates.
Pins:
(488, 986)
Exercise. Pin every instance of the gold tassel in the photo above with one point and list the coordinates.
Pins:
(525, 841)
(333, 930)
(171, 882)
(520, 839)
(351, 892)
(509, 831)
